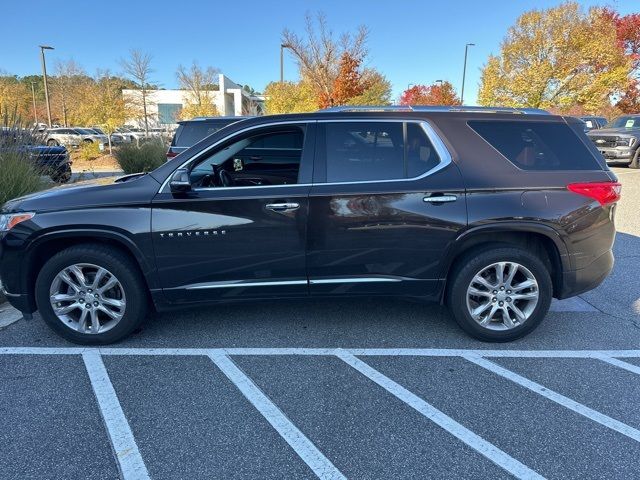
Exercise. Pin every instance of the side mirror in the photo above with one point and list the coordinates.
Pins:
(180, 181)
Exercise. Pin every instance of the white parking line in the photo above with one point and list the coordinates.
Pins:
(412, 352)
(566, 402)
(620, 364)
(479, 444)
(305, 449)
(130, 461)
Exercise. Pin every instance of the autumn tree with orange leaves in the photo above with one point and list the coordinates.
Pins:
(440, 93)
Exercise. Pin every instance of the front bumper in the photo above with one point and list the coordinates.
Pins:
(617, 154)
(575, 282)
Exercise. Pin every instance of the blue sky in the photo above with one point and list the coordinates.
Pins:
(410, 41)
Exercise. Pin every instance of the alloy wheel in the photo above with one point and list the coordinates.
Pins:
(87, 298)
(502, 296)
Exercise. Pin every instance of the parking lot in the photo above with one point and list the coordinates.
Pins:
(361, 388)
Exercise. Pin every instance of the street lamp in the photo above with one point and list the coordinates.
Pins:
(44, 74)
(439, 82)
(33, 94)
(464, 70)
(282, 47)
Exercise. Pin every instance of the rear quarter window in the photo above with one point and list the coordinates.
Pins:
(532, 145)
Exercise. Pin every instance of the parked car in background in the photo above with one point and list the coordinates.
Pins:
(619, 140)
(593, 122)
(116, 138)
(491, 211)
(74, 137)
(190, 132)
(52, 161)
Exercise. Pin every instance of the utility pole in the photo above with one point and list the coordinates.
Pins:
(282, 47)
(464, 70)
(33, 94)
(44, 74)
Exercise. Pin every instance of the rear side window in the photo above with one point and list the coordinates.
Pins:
(532, 145)
(372, 151)
(191, 133)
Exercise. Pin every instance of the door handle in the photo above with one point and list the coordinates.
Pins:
(440, 199)
(282, 207)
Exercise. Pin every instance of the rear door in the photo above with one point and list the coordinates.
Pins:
(386, 203)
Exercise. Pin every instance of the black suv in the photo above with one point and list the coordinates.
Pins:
(492, 211)
(190, 132)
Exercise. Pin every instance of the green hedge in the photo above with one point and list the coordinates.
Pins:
(144, 158)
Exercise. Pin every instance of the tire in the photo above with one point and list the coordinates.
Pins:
(130, 292)
(52, 143)
(87, 141)
(62, 176)
(635, 163)
(487, 260)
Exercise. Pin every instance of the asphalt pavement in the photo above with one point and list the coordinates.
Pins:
(358, 388)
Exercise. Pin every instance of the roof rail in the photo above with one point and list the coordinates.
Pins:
(435, 108)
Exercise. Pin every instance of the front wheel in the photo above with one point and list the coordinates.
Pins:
(635, 163)
(500, 294)
(52, 143)
(91, 294)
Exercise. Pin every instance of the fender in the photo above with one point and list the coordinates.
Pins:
(146, 262)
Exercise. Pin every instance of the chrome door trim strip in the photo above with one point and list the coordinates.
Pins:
(322, 281)
(203, 286)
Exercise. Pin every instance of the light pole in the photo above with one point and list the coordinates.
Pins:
(44, 74)
(33, 94)
(282, 47)
(464, 70)
(439, 82)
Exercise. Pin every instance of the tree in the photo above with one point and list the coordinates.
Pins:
(290, 97)
(321, 57)
(556, 58)
(377, 90)
(106, 107)
(441, 93)
(138, 68)
(199, 83)
(628, 37)
(15, 98)
(66, 87)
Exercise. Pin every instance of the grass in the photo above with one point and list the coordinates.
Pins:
(144, 158)
(18, 174)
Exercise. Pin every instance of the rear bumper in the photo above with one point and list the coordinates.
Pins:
(575, 282)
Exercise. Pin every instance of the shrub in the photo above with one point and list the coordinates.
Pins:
(89, 151)
(18, 174)
(144, 158)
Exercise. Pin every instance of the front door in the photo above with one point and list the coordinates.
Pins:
(386, 203)
(241, 231)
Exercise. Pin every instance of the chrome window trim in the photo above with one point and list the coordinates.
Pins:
(439, 146)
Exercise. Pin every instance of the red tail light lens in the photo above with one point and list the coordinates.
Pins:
(604, 192)
(171, 154)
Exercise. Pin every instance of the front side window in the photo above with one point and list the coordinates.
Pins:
(373, 151)
(258, 159)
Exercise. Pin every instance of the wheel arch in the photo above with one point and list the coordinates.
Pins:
(51, 243)
(542, 239)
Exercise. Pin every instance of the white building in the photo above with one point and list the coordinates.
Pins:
(163, 106)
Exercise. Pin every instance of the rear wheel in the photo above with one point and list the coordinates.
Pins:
(52, 143)
(91, 294)
(500, 294)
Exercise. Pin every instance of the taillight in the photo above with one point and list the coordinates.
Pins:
(171, 154)
(604, 192)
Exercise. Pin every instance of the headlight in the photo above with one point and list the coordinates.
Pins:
(624, 142)
(10, 220)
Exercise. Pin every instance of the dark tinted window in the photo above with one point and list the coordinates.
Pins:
(357, 151)
(191, 133)
(534, 145)
(421, 156)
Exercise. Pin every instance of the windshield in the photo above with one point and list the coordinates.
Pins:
(624, 122)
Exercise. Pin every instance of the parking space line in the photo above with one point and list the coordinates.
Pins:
(412, 352)
(566, 402)
(130, 461)
(479, 444)
(303, 447)
(620, 364)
